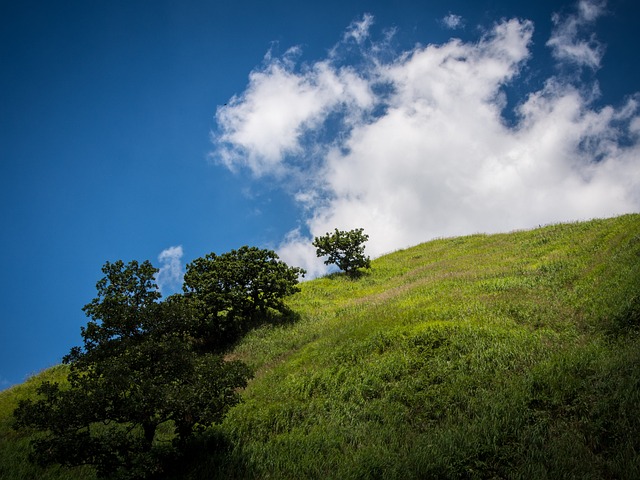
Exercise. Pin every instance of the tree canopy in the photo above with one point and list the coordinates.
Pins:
(141, 386)
(232, 291)
(344, 249)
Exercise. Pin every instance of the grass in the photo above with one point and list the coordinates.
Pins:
(14, 446)
(487, 356)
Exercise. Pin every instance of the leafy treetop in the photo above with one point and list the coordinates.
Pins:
(344, 249)
(143, 364)
(233, 291)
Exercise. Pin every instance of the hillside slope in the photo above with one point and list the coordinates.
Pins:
(507, 355)
(488, 356)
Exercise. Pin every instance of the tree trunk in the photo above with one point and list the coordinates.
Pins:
(149, 434)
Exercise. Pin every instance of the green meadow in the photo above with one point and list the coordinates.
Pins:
(513, 355)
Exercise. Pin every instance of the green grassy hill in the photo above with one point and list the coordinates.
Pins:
(489, 356)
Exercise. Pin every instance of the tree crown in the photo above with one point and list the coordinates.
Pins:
(344, 249)
(142, 364)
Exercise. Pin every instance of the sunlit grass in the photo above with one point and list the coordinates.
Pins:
(488, 356)
(461, 357)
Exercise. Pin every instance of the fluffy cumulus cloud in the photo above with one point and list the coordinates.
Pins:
(169, 278)
(414, 145)
(270, 121)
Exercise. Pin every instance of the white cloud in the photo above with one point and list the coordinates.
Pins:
(268, 122)
(453, 21)
(297, 250)
(169, 278)
(417, 147)
(567, 42)
(359, 30)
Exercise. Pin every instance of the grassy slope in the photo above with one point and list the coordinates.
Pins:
(512, 355)
(14, 446)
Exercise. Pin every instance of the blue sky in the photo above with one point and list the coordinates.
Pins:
(166, 130)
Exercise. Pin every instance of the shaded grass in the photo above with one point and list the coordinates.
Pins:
(14, 446)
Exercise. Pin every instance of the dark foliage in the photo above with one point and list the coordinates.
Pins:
(138, 373)
(233, 292)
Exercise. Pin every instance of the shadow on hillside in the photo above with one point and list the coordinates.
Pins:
(234, 333)
(627, 319)
(223, 334)
(209, 456)
(354, 276)
(285, 316)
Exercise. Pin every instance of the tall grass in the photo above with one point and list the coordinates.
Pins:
(487, 356)
(475, 357)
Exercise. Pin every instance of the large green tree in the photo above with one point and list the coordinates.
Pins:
(232, 292)
(138, 389)
(344, 249)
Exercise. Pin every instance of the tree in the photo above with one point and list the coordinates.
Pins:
(344, 249)
(236, 290)
(138, 371)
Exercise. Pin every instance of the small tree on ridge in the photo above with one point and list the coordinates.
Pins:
(344, 249)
